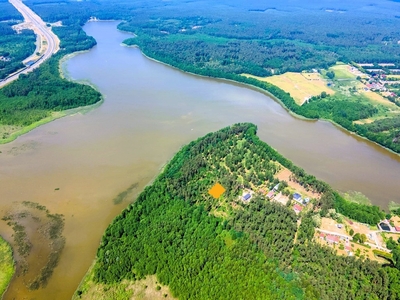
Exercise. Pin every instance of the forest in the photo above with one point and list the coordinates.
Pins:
(195, 243)
(217, 46)
(35, 95)
(14, 46)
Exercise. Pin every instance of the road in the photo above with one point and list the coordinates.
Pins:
(40, 28)
(346, 237)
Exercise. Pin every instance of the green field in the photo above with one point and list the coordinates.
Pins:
(6, 265)
(342, 72)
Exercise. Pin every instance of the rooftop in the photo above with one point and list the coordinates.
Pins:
(246, 197)
(298, 207)
(296, 196)
(332, 238)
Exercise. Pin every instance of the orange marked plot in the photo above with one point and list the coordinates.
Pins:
(216, 191)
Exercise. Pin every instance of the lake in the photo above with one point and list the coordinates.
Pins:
(77, 165)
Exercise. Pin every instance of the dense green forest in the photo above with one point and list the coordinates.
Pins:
(14, 46)
(35, 95)
(195, 244)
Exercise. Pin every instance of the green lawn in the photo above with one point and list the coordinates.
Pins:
(342, 72)
(6, 265)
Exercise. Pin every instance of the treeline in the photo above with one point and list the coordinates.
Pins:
(35, 95)
(341, 110)
(172, 231)
(14, 46)
(369, 214)
(236, 41)
(225, 45)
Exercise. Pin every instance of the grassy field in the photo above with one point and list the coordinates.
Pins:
(378, 99)
(145, 289)
(342, 71)
(300, 85)
(6, 265)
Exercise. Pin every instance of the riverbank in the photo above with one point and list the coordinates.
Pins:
(267, 93)
(54, 116)
(7, 266)
(9, 133)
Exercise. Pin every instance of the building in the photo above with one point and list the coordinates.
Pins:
(332, 239)
(384, 226)
(275, 189)
(297, 197)
(271, 195)
(297, 208)
(247, 197)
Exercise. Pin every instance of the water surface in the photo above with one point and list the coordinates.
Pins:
(150, 111)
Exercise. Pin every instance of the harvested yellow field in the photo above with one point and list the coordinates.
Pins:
(394, 76)
(364, 121)
(301, 86)
(378, 99)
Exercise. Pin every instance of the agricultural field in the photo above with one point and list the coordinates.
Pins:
(378, 99)
(393, 77)
(343, 71)
(301, 86)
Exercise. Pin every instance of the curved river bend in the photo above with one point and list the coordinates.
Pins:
(150, 111)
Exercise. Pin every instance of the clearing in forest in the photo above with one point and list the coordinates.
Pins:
(343, 71)
(301, 86)
(285, 174)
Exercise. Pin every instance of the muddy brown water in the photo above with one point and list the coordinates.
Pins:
(150, 111)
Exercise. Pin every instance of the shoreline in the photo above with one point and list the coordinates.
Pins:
(273, 97)
(54, 115)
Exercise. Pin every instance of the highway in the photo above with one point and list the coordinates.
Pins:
(40, 28)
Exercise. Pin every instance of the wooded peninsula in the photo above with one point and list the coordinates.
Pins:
(256, 249)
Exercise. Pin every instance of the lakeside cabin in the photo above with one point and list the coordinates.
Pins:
(297, 208)
(297, 197)
(247, 197)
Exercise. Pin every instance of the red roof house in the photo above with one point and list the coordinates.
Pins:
(297, 208)
(332, 239)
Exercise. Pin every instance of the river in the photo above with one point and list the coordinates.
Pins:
(76, 165)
